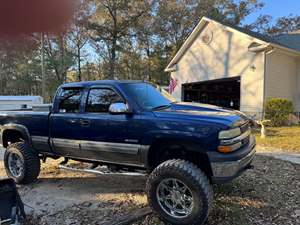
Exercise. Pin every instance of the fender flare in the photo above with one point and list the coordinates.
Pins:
(16, 127)
(184, 141)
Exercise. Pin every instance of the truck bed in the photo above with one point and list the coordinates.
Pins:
(37, 123)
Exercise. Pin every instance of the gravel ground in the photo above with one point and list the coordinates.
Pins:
(267, 195)
(279, 154)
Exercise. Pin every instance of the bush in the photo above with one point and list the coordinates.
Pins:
(278, 110)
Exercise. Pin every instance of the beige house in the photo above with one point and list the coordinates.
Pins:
(234, 67)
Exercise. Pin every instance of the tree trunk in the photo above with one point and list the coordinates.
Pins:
(114, 43)
(63, 67)
(79, 78)
(148, 61)
(1, 82)
(113, 60)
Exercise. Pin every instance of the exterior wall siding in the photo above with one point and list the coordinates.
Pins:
(281, 77)
(225, 56)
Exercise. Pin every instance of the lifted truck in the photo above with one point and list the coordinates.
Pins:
(132, 125)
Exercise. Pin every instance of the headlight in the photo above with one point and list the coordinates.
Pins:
(228, 134)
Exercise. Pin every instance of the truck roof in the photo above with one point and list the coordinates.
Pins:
(91, 83)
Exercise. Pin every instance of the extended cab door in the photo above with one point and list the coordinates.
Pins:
(105, 138)
(65, 127)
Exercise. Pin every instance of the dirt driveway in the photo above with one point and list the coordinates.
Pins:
(267, 195)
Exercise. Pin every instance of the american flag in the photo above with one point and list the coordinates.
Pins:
(172, 85)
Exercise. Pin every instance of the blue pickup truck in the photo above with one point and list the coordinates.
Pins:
(134, 125)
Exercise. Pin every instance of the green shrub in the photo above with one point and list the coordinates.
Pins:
(278, 110)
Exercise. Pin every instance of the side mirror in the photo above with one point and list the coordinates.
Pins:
(118, 108)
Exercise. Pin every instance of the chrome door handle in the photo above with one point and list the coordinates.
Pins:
(85, 122)
(72, 121)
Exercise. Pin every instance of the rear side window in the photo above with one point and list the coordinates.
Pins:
(70, 100)
(100, 99)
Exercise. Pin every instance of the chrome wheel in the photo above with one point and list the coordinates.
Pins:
(15, 165)
(175, 198)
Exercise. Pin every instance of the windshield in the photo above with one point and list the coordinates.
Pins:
(149, 96)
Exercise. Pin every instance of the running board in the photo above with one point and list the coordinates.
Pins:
(65, 167)
(4, 221)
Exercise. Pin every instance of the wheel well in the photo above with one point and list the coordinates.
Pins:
(11, 136)
(162, 151)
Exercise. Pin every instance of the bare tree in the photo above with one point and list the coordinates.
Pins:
(264, 24)
(78, 36)
(112, 22)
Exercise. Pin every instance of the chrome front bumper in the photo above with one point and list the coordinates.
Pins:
(228, 170)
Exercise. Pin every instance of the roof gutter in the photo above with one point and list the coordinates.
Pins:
(256, 48)
(260, 47)
(286, 49)
(172, 68)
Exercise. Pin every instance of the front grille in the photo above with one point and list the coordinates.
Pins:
(245, 128)
(245, 141)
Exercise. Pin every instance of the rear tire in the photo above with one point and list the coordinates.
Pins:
(180, 193)
(21, 163)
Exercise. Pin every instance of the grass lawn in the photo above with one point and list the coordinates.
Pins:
(285, 138)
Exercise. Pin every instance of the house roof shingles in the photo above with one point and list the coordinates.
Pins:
(289, 40)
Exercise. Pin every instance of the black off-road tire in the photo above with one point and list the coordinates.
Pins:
(190, 175)
(30, 161)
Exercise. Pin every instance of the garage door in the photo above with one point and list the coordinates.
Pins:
(221, 92)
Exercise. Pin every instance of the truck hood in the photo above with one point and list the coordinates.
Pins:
(203, 112)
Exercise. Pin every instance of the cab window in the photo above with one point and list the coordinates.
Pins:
(69, 100)
(99, 100)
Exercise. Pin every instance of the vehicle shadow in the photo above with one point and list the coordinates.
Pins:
(99, 184)
(56, 194)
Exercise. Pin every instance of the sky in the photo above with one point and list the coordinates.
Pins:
(276, 8)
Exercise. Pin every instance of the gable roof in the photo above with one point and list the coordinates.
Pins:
(291, 39)
(264, 39)
(278, 40)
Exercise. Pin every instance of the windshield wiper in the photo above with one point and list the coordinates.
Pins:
(161, 107)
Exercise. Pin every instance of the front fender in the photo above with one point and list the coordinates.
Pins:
(203, 141)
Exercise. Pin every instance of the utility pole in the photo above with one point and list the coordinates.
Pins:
(43, 67)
